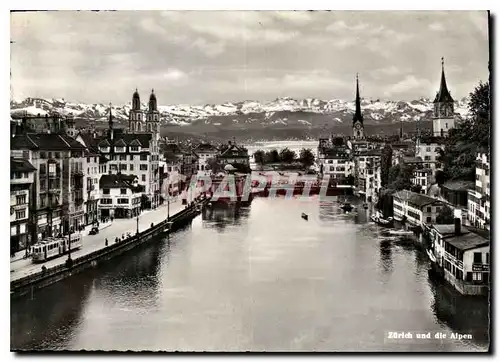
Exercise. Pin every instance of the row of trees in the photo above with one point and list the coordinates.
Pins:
(286, 155)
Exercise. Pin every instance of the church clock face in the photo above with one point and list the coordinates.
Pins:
(358, 126)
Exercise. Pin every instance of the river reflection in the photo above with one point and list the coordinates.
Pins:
(256, 278)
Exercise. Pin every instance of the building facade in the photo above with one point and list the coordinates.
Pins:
(58, 184)
(205, 152)
(368, 174)
(21, 181)
(120, 196)
(416, 208)
(479, 198)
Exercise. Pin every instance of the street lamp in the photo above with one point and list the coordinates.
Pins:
(137, 219)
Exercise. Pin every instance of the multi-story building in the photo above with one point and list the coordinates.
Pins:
(21, 181)
(428, 150)
(336, 163)
(205, 152)
(368, 173)
(135, 151)
(120, 196)
(422, 177)
(463, 254)
(418, 209)
(479, 198)
(58, 181)
(179, 156)
(232, 153)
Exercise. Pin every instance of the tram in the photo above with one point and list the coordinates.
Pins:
(54, 247)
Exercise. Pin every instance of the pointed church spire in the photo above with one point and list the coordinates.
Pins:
(110, 123)
(357, 113)
(443, 94)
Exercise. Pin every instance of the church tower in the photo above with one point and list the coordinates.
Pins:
(443, 113)
(153, 116)
(358, 130)
(135, 118)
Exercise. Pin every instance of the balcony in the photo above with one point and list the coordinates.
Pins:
(453, 260)
(77, 172)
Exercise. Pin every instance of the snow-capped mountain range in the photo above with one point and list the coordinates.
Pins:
(305, 113)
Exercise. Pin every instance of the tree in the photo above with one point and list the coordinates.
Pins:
(287, 155)
(386, 164)
(338, 141)
(469, 137)
(214, 165)
(385, 203)
(445, 216)
(416, 188)
(306, 157)
(272, 156)
(241, 167)
(260, 157)
(400, 177)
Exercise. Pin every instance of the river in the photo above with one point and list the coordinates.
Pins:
(256, 278)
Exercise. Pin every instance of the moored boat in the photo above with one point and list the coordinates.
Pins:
(389, 222)
(400, 232)
(346, 206)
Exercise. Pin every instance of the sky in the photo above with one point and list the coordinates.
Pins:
(207, 57)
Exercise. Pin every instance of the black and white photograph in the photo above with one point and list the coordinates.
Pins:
(250, 180)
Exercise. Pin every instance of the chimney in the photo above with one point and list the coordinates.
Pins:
(458, 221)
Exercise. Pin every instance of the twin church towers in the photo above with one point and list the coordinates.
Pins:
(443, 115)
(144, 121)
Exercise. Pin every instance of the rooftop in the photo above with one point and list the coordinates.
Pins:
(459, 185)
(117, 181)
(45, 141)
(467, 241)
(20, 165)
(414, 198)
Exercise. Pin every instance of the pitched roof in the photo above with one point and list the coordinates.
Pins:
(206, 147)
(443, 95)
(117, 181)
(459, 185)
(45, 141)
(467, 241)
(234, 151)
(20, 165)
(414, 198)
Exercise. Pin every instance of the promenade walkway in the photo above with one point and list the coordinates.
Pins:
(22, 267)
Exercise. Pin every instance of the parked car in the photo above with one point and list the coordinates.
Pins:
(94, 231)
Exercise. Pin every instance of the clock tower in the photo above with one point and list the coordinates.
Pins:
(358, 130)
(443, 117)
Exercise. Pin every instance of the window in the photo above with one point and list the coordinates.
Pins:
(123, 166)
(429, 219)
(477, 276)
(429, 209)
(446, 125)
(106, 201)
(131, 167)
(105, 191)
(428, 149)
(123, 201)
(123, 157)
(134, 148)
(20, 199)
(487, 258)
(123, 191)
(144, 157)
(143, 167)
(478, 258)
(143, 178)
(20, 214)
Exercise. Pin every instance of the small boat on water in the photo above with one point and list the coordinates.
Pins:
(431, 256)
(388, 223)
(305, 216)
(401, 232)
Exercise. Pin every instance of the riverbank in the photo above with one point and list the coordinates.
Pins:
(29, 276)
